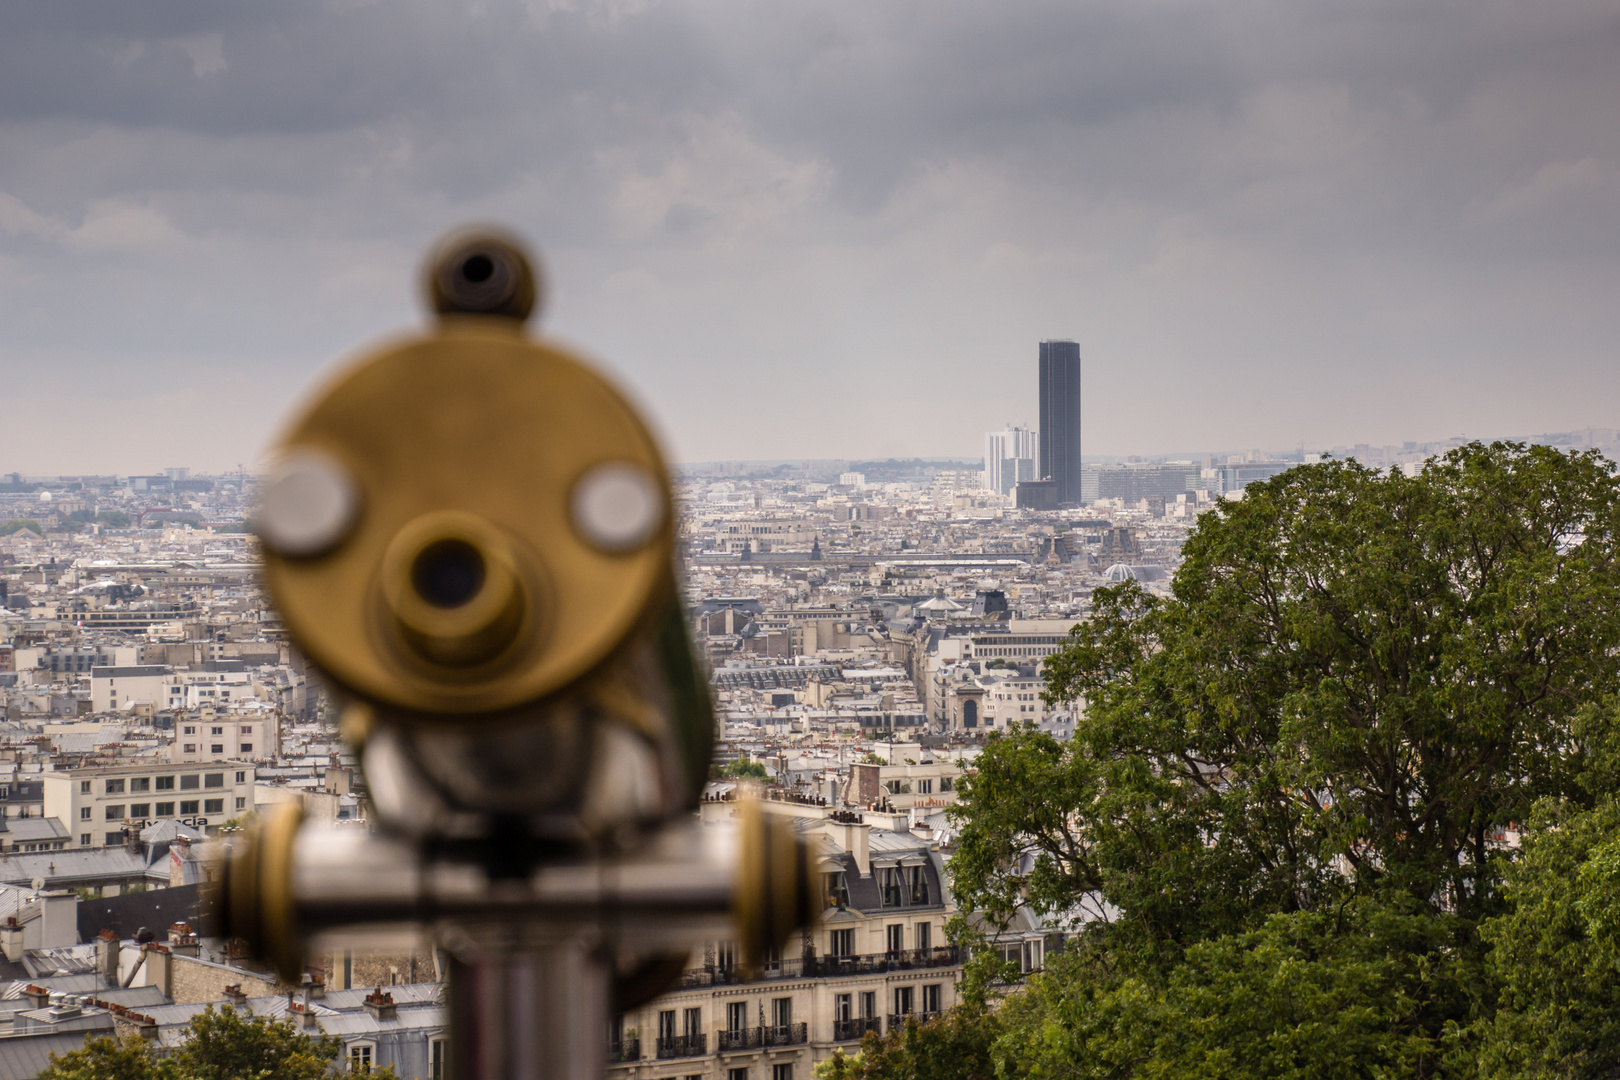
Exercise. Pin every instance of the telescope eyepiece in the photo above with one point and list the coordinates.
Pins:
(448, 574)
(456, 590)
(482, 271)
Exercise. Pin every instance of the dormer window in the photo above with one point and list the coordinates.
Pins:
(891, 882)
(918, 882)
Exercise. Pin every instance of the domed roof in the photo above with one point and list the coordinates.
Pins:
(1119, 573)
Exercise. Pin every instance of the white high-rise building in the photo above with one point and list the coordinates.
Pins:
(1009, 456)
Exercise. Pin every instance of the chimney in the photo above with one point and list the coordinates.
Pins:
(182, 939)
(38, 997)
(107, 956)
(303, 1015)
(856, 838)
(159, 968)
(11, 939)
(234, 996)
(381, 1005)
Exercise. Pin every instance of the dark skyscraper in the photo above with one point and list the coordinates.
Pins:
(1059, 444)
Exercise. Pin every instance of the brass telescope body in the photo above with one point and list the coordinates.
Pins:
(471, 533)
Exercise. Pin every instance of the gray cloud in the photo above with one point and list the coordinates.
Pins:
(803, 228)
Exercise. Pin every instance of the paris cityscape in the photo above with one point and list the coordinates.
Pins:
(809, 540)
(865, 626)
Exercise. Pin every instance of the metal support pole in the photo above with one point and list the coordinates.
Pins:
(529, 1014)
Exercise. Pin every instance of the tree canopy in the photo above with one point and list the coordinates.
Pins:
(221, 1044)
(1280, 817)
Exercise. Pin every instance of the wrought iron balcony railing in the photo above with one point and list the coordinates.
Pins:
(683, 1046)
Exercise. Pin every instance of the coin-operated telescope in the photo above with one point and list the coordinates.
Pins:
(471, 533)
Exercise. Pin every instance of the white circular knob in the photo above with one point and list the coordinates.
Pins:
(618, 506)
(309, 505)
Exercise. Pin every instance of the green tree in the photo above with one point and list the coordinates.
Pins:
(220, 1044)
(115, 519)
(224, 1044)
(1557, 953)
(741, 769)
(955, 1046)
(18, 524)
(107, 1058)
(1307, 745)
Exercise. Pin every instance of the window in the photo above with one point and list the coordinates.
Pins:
(216, 731)
(165, 783)
(889, 879)
(140, 809)
(115, 811)
(191, 748)
(165, 809)
(781, 1012)
(140, 783)
(843, 1008)
(666, 1026)
(360, 1058)
(902, 1001)
(84, 813)
(737, 1074)
(869, 1004)
(113, 839)
(241, 777)
(115, 787)
(897, 937)
(918, 882)
(435, 1059)
(1027, 955)
(837, 890)
(190, 783)
(216, 748)
(84, 839)
(925, 934)
(947, 783)
(214, 779)
(692, 1024)
(188, 730)
(842, 943)
(188, 806)
(213, 806)
(241, 803)
(931, 998)
(247, 748)
(925, 787)
(782, 1070)
(84, 787)
(736, 1015)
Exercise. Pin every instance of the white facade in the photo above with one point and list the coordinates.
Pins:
(1009, 456)
(95, 803)
(214, 736)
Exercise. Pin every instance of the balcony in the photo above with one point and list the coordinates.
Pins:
(624, 1050)
(851, 1030)
(683, 1046)
(756, 1037)
(827, 967)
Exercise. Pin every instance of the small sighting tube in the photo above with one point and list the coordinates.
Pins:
(529, 1014)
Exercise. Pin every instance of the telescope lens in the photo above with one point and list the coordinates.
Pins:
(478, 269)
(448, 574)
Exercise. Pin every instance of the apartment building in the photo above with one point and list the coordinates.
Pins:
(217, 736)
(877, 957)
(95, 803)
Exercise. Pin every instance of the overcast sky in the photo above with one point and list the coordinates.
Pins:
(823, 229)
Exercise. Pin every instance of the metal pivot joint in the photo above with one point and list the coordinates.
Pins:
(471, 533)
